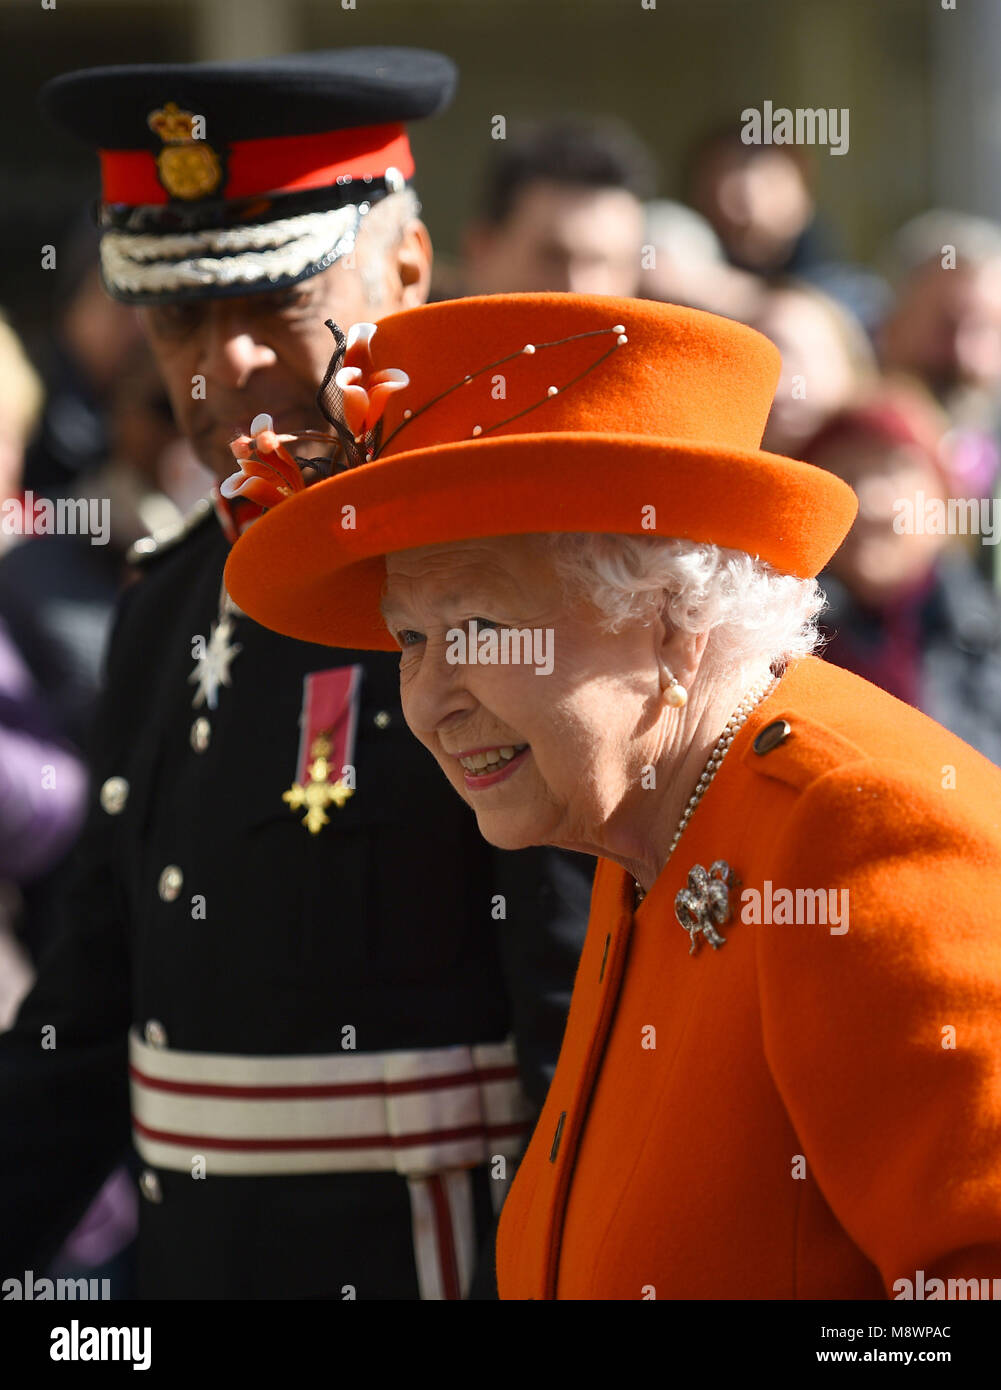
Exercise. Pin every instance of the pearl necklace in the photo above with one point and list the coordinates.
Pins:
(748, 704)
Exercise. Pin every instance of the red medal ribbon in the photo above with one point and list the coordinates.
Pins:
(330, 708)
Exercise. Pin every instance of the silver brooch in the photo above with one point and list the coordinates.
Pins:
(705, 904)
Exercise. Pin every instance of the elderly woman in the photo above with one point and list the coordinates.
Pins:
(779, 1077)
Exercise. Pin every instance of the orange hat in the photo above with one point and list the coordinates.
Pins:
(532, 413)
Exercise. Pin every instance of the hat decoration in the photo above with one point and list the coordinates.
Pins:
(353, 398)
(268, 473)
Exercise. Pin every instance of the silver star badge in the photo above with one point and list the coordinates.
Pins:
(705, 904)
(212, 667)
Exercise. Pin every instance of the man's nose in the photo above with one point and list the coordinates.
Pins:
(233, 351)
(591, 276)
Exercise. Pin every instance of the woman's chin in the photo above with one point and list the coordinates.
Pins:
(508, 832)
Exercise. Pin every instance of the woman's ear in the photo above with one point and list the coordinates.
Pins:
(678, 653)
(411, 263)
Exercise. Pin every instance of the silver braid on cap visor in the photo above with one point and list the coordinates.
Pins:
(145, 264)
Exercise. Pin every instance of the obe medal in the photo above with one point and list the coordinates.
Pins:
(325, 773)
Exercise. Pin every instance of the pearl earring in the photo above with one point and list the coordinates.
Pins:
(675, 693)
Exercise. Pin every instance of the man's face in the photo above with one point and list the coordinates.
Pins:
(946, 327)
(560, 237)
(758, 202)
(257, 353)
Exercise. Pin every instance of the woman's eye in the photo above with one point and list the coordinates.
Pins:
(483, 622)
(407, 637)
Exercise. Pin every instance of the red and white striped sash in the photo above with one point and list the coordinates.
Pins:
(406, 1112)
(428, 1115)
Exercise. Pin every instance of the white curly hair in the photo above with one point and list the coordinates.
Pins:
(755, 615)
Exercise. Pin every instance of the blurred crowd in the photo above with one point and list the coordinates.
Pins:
(891, 378)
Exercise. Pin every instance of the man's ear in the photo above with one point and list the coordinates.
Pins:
(411, 264)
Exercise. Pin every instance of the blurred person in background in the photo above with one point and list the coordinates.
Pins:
(759, 200)
(42, 782)
(21, 403)
(43, 796)
(907, 608)
(684, 263)
(561, 209)
(91, 344)
(58, 591)
(944, 328)
(826, 360)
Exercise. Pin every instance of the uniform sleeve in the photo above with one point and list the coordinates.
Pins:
(884, 1040)
(547, 895)
(64, 1106)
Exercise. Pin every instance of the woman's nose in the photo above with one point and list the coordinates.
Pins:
(436, 692)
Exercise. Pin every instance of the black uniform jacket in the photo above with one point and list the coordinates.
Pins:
(271, 941)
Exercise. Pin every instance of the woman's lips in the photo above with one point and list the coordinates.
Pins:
(480, 780)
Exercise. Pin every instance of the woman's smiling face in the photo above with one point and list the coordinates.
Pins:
(543, 756)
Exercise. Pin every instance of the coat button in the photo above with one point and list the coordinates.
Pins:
(170, 883)
(149, 1186)
(114, 794)
(201, 733)
(383, 719)
(155, 1033)
(557, 1137)
(771, 736)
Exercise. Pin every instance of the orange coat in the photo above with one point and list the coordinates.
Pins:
(817, 1114)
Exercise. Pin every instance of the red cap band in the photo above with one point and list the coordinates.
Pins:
(278, 164)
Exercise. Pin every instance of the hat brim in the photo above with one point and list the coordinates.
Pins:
(313, 567)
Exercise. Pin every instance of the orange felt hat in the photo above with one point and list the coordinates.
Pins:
(531, 413)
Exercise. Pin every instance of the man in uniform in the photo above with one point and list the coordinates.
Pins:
(333, 1063)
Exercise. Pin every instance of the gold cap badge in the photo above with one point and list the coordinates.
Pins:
(187, 166)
